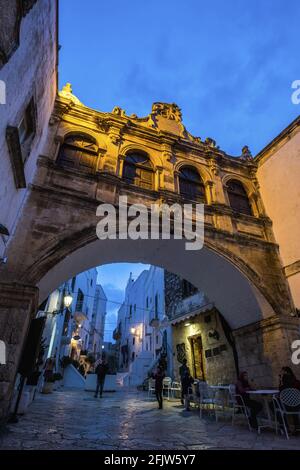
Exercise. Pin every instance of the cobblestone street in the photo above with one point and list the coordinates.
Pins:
(71, 419)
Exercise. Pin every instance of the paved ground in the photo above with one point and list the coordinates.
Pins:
(127, 420)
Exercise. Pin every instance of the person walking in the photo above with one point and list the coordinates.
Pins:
(183, 371)
(159, 377)
(101, 371)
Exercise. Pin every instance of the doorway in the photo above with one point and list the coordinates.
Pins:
(197, 357)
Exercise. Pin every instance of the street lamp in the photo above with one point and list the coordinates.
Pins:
(68, 299)
(132, 331)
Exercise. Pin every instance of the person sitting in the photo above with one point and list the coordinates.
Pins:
(287, 379)
(242, 387)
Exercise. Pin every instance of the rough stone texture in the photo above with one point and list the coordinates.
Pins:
(29, 72)
(239, 267)
(17, 305)
(69, 420)
(220, 367)
(265, 347)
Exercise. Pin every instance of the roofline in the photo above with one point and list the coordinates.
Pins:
(279, 140)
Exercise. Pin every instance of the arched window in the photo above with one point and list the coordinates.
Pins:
(238, 198)
(79, 151)
(138, 170)
(191, 185)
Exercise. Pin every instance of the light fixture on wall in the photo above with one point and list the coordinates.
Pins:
(132, 331)
(187, 324)
(68, 299)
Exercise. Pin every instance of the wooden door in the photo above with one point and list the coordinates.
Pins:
(197, 357)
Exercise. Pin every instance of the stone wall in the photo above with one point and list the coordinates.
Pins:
(265, 347)
(29, 73)
(17, 306)
(219, 367)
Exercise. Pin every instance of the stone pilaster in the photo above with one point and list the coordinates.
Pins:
(264, 347)
(18, 303)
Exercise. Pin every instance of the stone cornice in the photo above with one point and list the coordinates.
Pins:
(130, 126)
(292, 269)
(278, 141)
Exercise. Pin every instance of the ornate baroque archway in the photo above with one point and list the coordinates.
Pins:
(239, 267)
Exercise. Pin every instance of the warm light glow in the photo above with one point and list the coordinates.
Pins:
(187, 324)
(132, 331)
(102, 347)
(68, 299)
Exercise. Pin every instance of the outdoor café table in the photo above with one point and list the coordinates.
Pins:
(219, 387)
(266, 396)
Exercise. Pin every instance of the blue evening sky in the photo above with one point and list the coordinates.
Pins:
(229, 65)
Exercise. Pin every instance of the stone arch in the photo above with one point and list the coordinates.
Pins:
(138, 147)
(67, 131)
(239, 280)
(204, 173)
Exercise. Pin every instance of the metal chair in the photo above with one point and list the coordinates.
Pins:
(167, 383)
(175, 387)
(206, 398)
(236, 402)
(151, 387)
(288, 399)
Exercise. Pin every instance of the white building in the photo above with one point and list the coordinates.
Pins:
(78, 330)
(140, 343)
(98, 321)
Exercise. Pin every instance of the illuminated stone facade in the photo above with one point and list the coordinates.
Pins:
(81, 158)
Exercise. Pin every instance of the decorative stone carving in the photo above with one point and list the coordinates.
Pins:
(169, 111)
(213, 167)
(67, 93)
(246, 154)
(102, 124)
(210, 142)
(118, 111)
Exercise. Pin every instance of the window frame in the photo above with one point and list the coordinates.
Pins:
(235, 196)
(196, 183)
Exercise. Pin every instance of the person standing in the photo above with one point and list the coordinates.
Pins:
(101, 371)
(186, 382)
(183, 372)
(159, 377)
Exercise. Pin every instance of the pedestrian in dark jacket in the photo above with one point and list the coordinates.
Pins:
(183, 371)
(186, 382)
(159, 377)
(101, 371)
